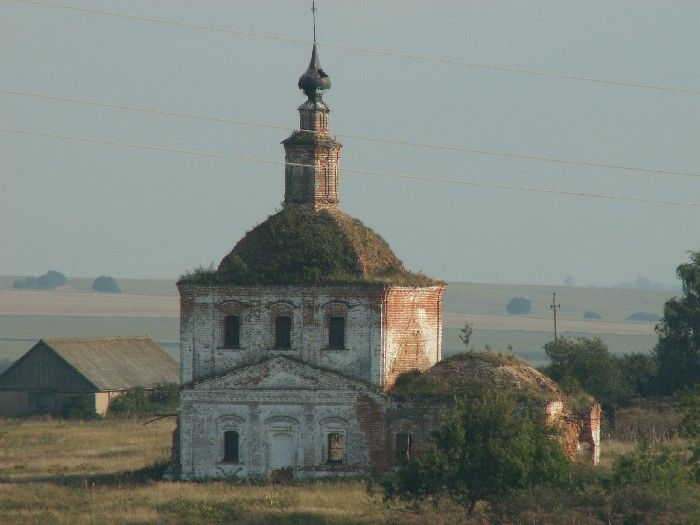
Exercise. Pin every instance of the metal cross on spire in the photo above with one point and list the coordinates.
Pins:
(313, 13)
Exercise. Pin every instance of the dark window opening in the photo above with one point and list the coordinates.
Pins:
(232, 331)
(231, 446)
(283, 332)
(404, 446)
(335, 448)
(336, 333)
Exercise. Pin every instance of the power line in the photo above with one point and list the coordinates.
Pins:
(347, 170)
(385, 140)
(374, 51)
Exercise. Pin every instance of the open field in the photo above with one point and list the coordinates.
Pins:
(68, 472)
(35, 302)
(151, 307)
(109, 471)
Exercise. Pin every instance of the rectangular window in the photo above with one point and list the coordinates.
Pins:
(336, 332)
(283, 332)
(232, 331)
(231, 446)
(404, 444)
(335, 448)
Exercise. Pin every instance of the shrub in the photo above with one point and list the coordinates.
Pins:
(655, 467)
(79, 407)
(483, 449)
(588, 314)
(49, 281)
(106, 284)
(140, 401)
(518, 306)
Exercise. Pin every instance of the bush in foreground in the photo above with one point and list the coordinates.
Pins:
(483, 449)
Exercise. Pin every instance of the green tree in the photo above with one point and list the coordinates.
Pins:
(587, 364)
(483, 449)
(105, 283)
(639, 373)
(678, 349)
(465, 335)
(518, 306)
(49, 281)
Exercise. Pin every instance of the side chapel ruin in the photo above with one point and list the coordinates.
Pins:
(291, 348)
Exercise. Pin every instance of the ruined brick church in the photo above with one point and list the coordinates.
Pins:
(290, 349)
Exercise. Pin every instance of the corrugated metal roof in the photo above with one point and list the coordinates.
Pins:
(118, 363)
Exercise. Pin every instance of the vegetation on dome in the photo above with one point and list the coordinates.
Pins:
(300, 246)
(200, 275)
(469, 374)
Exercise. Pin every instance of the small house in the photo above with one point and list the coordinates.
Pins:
(56, 372)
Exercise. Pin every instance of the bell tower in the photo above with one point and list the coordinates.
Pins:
(312, 155)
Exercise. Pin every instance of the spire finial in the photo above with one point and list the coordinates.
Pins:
(314, 78)
(313, 13)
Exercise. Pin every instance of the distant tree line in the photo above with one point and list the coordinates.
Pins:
(49, 281)
(53, 279)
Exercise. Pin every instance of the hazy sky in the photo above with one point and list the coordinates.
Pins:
(88, 209)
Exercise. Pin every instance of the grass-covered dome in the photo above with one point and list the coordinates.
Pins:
(302, 246)
(468, 374)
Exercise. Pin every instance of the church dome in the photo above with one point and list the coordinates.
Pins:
(304, 246)
(472, 372)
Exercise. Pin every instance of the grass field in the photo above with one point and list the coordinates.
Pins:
(107, 472)
(149, 306)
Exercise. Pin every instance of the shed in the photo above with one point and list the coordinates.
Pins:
(55, 372)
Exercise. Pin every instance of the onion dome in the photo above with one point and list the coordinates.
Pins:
(314, 78)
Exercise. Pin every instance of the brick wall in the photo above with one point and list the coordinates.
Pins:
(201, 340)
(412, 330)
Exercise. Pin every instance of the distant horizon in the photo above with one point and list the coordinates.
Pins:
(626, 285)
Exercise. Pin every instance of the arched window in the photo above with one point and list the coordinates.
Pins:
(404, 446)
(336, 333)
(283, 331)
(231, 446)
(336, 448)
(232, 331)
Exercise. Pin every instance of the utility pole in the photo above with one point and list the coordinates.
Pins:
(554, 306)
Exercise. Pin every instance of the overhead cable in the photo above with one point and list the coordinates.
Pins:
(374, 51)
(439, 180)
(398, 141)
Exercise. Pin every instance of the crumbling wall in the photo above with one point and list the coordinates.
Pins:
(579, 432)
(306, 416)
(202, 331)
(412, 330)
